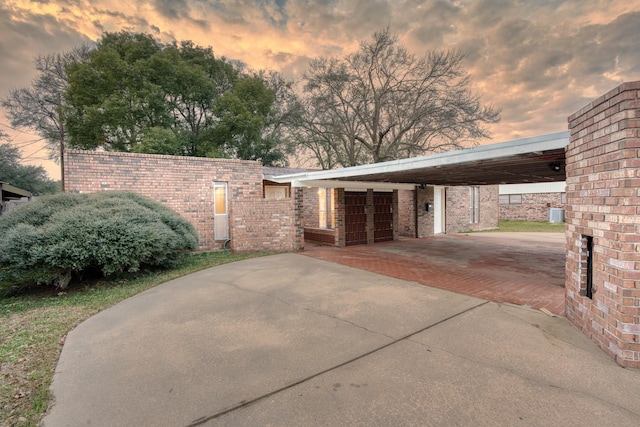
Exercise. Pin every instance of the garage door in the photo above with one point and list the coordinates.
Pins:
(355, 218)
(382, 217)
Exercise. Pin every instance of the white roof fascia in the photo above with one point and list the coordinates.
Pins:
(351, 185)
(482, 152)
(533, 188)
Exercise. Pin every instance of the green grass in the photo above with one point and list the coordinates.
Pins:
(33, 328)
(528, 226)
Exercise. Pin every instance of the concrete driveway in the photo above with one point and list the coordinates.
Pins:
(288, 340)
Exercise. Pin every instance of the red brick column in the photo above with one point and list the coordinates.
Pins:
(369, 212)
(603, 212)
(298, 196)
(341, 240)
(396, 215)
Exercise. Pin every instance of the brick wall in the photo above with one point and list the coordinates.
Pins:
(262, 225)
(406, 213)
(458, 211)
(310, 208)
(603, 202)
(424, 219)
(534, 207)
(185, 184)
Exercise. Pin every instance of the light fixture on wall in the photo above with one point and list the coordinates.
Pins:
(555, 166)
(422, 186)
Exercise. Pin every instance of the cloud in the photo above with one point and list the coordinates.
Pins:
(537, 60)
(172, 9)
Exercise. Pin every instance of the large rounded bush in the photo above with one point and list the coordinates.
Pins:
(48, 240)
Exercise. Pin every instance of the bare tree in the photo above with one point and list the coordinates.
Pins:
(383, 103)
(39, 107)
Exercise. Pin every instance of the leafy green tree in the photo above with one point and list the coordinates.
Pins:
(383, 103)
(111, 102)
(243, 114)
(27, 177)
(137, 94)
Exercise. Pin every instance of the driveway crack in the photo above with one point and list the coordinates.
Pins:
(407, 337)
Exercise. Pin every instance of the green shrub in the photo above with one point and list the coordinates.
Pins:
(49, 240)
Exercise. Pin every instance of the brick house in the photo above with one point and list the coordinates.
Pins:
(531, 202)
(241, 205)
(231, 201)
(224, 199)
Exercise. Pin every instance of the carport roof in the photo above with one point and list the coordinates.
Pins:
(536, 159)
(9, 192)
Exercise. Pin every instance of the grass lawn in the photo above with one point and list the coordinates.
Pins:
(530, 226)
(33, 328)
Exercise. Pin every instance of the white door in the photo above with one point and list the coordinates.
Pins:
(438, 210)
(220, 214)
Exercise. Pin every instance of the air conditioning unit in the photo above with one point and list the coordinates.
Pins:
(556, 215)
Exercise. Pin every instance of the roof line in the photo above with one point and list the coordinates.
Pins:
(534, 144)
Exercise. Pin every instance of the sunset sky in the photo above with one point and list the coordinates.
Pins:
(539, 61)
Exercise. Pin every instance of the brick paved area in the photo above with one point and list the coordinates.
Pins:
(518, 268)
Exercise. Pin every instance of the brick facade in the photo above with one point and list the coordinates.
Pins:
(458, 209)
(603, 211)
(534, 207)
(407, 213)
(424, 221)
(185, 184)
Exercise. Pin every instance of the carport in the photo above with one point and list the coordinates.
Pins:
(515, 270)
(600, 160)
(528, 160)
(365, 214)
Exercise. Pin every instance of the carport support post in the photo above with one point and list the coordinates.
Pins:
(603, 222)
(298, 243)
(396, 218)
(340, 217)
(369, 212)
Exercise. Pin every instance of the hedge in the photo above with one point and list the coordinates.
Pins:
(52, 239)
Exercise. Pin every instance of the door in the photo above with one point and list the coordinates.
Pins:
(439, 202)
(220, 211)
(355, 218)
(382, 217)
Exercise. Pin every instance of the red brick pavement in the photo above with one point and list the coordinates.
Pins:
(520, 270)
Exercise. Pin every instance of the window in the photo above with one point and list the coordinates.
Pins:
(220, 211)
(510, 199)
(322, 207)
(276, 192)
(563, 198)
(586, 266)
(474, 205)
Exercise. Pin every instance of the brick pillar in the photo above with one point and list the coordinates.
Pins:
(298, 243)
(369, 212)
(424, 219)
(396, 214)
(603, 219)
(341, 240)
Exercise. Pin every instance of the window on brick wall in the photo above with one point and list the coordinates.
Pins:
(220, 211)
(276, 192)
(586, 266)
(322, 207)
(563, 198)
(510, 199)
(326, 208)
(474, 205)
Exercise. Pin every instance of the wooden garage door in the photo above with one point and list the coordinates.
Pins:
(355, 218)
(382, 217)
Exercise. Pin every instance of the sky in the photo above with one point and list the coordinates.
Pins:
(539, 61)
